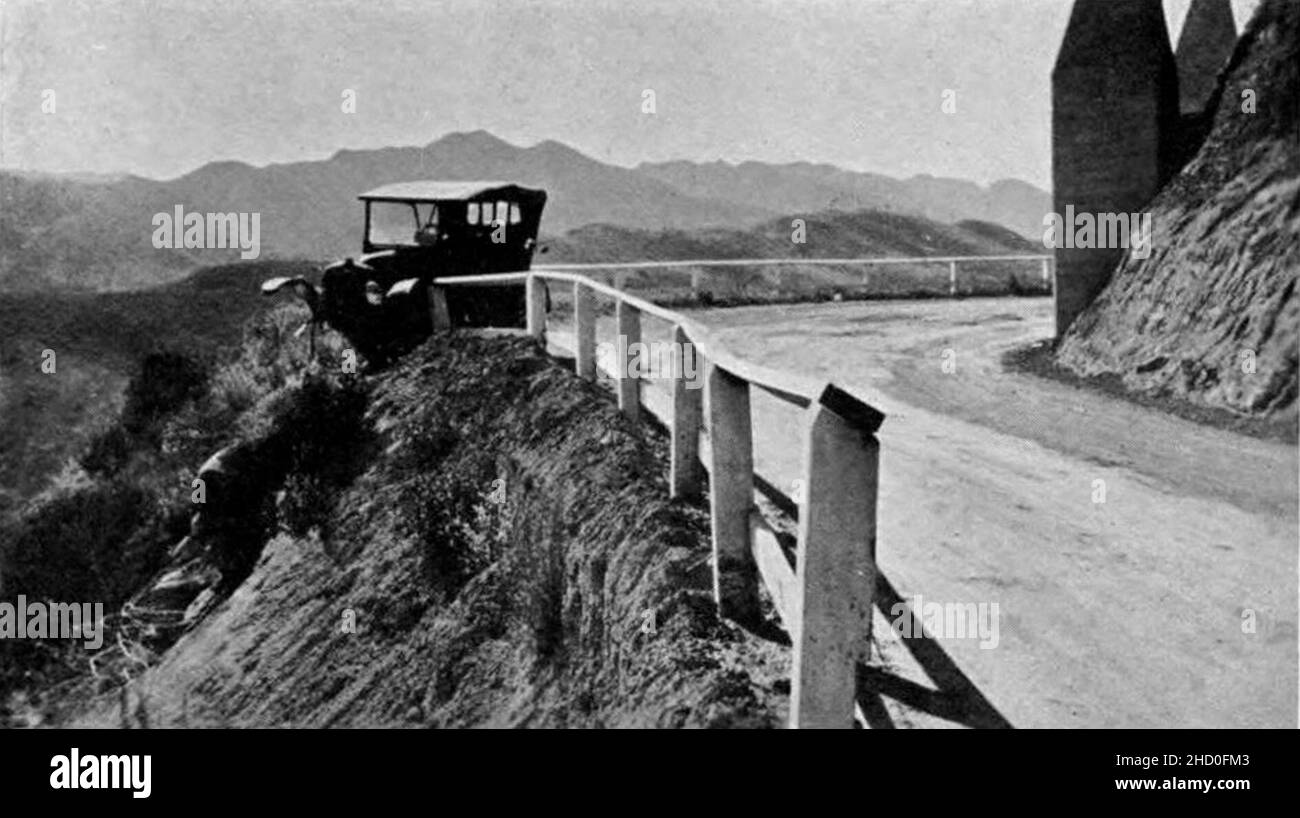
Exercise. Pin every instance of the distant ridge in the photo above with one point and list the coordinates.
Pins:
(61, 230)
(802, 186)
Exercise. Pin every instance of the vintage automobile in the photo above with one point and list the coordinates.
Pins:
(417, 231)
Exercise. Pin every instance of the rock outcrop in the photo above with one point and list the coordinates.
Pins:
(1212, 315)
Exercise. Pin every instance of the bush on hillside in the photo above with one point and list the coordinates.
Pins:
(82, 547)
(164, 382)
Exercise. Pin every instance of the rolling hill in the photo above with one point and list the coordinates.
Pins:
(828, 234)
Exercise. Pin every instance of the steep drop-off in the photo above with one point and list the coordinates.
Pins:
(504, 556)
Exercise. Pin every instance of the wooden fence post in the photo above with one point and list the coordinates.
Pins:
(536, 294)
(629, 384)
(584, 330)
(684, 475)
(731, 487)
(835, 570)
(438, 312)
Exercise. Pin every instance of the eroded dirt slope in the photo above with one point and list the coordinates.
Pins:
(509, 558)
(1212, 315)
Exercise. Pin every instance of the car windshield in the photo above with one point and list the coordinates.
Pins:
(398, 223)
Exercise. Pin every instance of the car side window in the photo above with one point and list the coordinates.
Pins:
(471, 213)
(503, 208)
(515, 216)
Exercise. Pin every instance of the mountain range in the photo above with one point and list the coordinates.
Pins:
(95, 232)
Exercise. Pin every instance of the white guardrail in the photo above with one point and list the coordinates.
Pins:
(825, 599)
(621, 269)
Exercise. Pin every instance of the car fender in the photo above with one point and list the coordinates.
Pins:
(403, 288)
(303, 288)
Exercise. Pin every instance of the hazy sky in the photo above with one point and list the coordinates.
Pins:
(159, 88)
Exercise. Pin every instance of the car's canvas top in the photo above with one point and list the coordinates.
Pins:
(449, 191)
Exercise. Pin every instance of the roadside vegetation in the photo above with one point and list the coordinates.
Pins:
(103, 526)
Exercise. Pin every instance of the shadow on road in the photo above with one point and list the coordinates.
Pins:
(956, 697)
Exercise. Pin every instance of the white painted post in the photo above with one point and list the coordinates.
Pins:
(952, 278)
(731, 487)
(628, 319)
(684, 474)
(584, 330)
(1047, 273)
(620, 280)
(695, 281)
(438, 312)
(536, 295)
(835, 571)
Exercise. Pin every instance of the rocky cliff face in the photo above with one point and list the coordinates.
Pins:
(1212, 315)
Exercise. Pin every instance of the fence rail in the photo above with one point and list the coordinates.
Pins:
(825, 598)
(622, 268)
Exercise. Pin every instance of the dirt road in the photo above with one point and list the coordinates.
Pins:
(1124, 602)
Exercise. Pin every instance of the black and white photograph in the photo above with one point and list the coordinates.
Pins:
(579, 364)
